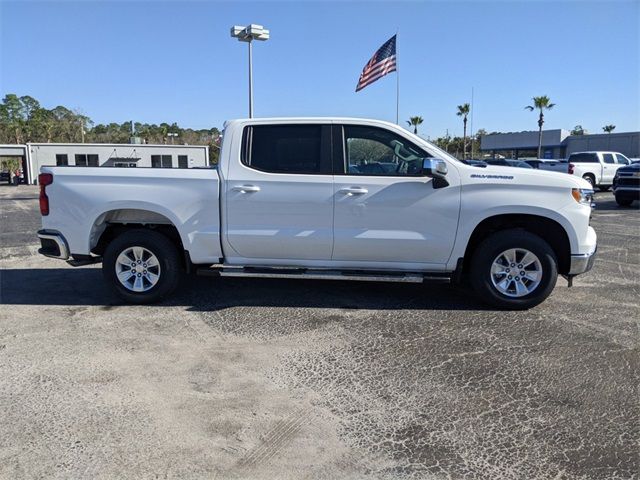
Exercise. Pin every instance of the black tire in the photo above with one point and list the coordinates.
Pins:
(604, 188)
(494, 245)
(624, 201)
(591, 179)
(170, 272)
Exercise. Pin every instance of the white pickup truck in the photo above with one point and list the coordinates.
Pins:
(331, 198)
(597, 168)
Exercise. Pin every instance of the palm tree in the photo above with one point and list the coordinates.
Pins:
(577, 130)
(609, 128)
(415, 121)
(463, 111)
(540, 103)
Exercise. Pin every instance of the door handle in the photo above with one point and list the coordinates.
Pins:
(246, 188)
(354, 191)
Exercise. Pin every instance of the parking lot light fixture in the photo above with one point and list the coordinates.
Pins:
(248, 34)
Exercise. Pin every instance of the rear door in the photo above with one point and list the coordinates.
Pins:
(385, 209)
(279, 194)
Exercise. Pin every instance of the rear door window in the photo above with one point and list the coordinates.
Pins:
(608, 158)
(291, 149)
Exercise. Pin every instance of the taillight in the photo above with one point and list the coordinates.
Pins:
(571, 167)
(44, 179)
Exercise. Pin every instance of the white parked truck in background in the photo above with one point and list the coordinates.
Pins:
(325, 198)
(597, 168)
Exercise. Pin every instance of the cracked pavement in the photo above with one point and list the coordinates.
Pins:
(289, 379)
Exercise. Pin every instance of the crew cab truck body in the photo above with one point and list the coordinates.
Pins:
(597, 168)
(334, 198)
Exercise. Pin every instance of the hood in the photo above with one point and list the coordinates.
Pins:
(523, 176)
(634, 167)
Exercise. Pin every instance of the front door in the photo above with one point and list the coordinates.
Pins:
(609, 168)
(279, 198)
(386, 211)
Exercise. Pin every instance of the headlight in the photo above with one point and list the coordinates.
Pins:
(583, 196)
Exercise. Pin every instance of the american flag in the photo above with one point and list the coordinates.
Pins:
(382, 62)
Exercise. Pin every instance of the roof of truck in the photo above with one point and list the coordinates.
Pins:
(309, 119)
(596, 151)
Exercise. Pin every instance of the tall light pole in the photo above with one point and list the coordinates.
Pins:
(248, 34)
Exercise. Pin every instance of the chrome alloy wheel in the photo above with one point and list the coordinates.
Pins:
(516, 272)
(137, 269)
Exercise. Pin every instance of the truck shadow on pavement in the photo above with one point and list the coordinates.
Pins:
(85, 286)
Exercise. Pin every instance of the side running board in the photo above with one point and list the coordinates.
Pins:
(321, 274)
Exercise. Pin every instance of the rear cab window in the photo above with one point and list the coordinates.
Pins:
(584, 158)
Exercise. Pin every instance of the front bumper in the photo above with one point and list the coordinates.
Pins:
(53, 244)
(582, 263)
(627, 192)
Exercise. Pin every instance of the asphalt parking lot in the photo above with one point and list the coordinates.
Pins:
(248, 378)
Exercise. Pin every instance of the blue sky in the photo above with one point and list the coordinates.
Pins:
(175, 61)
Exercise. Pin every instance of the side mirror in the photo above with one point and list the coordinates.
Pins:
(436, 169)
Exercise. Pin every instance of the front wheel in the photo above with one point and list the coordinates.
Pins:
(623, 201)
(142, 266)
(514, 270)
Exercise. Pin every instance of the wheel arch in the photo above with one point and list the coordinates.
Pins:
(590, 175)
(111, 223)
(546, 228)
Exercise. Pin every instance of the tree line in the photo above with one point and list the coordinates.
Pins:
(23, 119)
(457, 146)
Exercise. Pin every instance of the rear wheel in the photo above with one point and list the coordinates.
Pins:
(591, 179)
(142, 266)
(514, 269)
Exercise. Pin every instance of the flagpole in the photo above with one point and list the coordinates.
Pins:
(471, 122)
(397, 82)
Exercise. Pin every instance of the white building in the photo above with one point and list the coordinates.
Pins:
(36, 155)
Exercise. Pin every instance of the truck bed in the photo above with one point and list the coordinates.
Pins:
(85, 200)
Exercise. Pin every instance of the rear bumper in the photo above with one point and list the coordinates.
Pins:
(53, 244)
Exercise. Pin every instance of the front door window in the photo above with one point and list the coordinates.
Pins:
(374, 151)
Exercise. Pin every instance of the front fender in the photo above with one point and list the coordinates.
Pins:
(470, 221)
